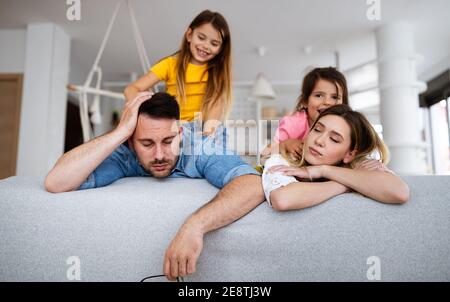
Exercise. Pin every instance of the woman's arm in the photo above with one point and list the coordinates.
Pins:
(301, 195)
(382, 186)
(144, 83)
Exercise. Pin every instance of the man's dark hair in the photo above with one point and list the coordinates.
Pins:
(161, 105)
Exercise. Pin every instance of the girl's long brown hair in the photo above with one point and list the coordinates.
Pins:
(330, 74)
(364, 138)
(218, 89)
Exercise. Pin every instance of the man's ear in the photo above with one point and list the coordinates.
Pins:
(349, 156)
(177, 127)
(130, 143)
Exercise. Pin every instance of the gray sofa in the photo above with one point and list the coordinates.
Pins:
(120, 233)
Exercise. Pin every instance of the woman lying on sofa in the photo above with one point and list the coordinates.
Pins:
(334, 161)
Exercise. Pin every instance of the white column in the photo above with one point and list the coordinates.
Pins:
(399, 90)
(44, 101)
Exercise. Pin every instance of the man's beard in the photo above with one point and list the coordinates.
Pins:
(166, 167)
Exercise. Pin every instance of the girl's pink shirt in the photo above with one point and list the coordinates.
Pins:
(294, 126)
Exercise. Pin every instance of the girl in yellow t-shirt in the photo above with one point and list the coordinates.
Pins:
(199, 74)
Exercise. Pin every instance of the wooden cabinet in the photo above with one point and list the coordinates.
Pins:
(10, 100)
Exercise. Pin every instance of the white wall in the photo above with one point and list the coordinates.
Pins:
(357, 50)
(43, 112)
(435, 69)
(12, 51)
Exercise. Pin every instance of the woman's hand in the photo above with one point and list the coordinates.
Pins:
(293, 146)
(308, 173)
(371, 165)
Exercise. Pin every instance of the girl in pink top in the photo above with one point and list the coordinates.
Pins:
(321, 89)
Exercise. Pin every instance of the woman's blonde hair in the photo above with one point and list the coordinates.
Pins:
(364, 138)
(218, 87)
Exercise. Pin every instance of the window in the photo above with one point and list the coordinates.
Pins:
(364, 96)
(439, 117)
(435, 102)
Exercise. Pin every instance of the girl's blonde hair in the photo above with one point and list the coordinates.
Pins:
(330, 74)
(364, 138)
(218, 87)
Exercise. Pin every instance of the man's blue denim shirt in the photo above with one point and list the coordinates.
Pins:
(200, 157)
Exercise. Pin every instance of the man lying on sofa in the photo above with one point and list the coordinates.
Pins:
(149, 142)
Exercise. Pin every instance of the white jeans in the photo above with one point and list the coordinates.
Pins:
(272, 181)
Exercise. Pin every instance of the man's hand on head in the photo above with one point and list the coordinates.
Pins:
(128, 120)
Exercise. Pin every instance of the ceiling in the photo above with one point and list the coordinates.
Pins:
(284, 27)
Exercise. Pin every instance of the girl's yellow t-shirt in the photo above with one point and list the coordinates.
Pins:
(195, 86)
